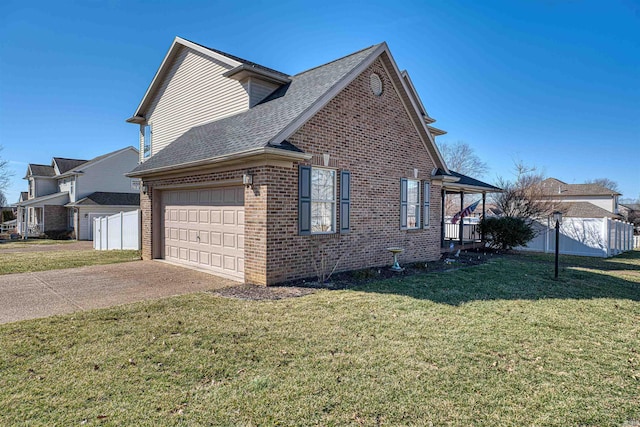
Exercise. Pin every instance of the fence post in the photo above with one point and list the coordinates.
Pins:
(121, 230)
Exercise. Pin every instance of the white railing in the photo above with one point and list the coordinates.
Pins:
(470, 232)
(119, 231)
(597, 237)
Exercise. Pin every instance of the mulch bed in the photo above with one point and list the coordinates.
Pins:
(353, 279)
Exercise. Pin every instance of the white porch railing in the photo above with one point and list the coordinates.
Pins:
(470, 232)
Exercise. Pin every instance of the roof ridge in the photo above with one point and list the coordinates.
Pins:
(336, 60)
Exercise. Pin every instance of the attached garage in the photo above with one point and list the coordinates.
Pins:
(204, 228)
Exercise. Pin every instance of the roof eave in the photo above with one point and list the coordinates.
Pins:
(244, 71)
(273, 153)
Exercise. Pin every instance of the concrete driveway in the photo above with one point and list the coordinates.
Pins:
(32, 295)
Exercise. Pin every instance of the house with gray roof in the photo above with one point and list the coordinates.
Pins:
(581, 200)
(66, 195)
(264, 177)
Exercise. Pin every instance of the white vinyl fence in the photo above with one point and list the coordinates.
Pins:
(597, 237)
(119, 231)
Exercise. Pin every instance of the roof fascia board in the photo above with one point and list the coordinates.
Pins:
(275, 153)
(162, 70)
(414, 93)
(458, 187)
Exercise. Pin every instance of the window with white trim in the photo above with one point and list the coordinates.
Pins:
(318, 197)
(323, 200)
(409, 204)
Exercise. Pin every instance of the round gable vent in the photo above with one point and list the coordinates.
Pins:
(376, 84)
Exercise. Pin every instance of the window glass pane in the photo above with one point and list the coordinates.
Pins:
(322, 184)
(147, 141)
(323, 198)
(412, 191)
(413, 203)
(321, 217)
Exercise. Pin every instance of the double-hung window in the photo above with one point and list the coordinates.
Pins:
(318, 199)
(323, 200)
(413, 213)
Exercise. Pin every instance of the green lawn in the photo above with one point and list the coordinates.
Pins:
(24, 262)
(12, 244)
(500, 344)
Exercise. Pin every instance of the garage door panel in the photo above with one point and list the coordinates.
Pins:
(216, 260)
(205, 228)
(229, 262)
(229, 240)
(216, 216)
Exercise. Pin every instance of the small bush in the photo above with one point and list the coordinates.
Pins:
(59, 234)
(506, 232)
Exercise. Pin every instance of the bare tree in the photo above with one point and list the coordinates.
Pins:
(5, 176)
(524, 198)
(460, 157)
(606, 183)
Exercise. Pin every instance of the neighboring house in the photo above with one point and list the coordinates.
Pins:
(67, 194)
(266, 177)
(631, 213)
(581, 200)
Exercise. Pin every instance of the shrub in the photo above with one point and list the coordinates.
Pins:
(59, 234)
(506, 232)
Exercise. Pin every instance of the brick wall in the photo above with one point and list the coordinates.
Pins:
(373, 138)
(370, 136)
(255, 228)
(55, 218)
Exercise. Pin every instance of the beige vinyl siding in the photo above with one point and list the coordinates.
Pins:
(258, 90)
(192, 93)
(604, 202)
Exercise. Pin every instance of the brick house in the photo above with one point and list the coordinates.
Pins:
(265, 177)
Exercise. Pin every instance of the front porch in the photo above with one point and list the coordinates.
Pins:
(39, 215)
(462, 230)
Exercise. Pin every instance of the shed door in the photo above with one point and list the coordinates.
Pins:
(204, 228)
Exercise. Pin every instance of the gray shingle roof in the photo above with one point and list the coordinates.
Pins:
(467, 180)
(41, 170)
(584, 210)
(555, 187)
(256, 127)
(65, 165)
(115, 199)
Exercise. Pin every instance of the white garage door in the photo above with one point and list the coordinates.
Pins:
(205, 228)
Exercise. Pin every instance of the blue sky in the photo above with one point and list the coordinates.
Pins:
(553, 83)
